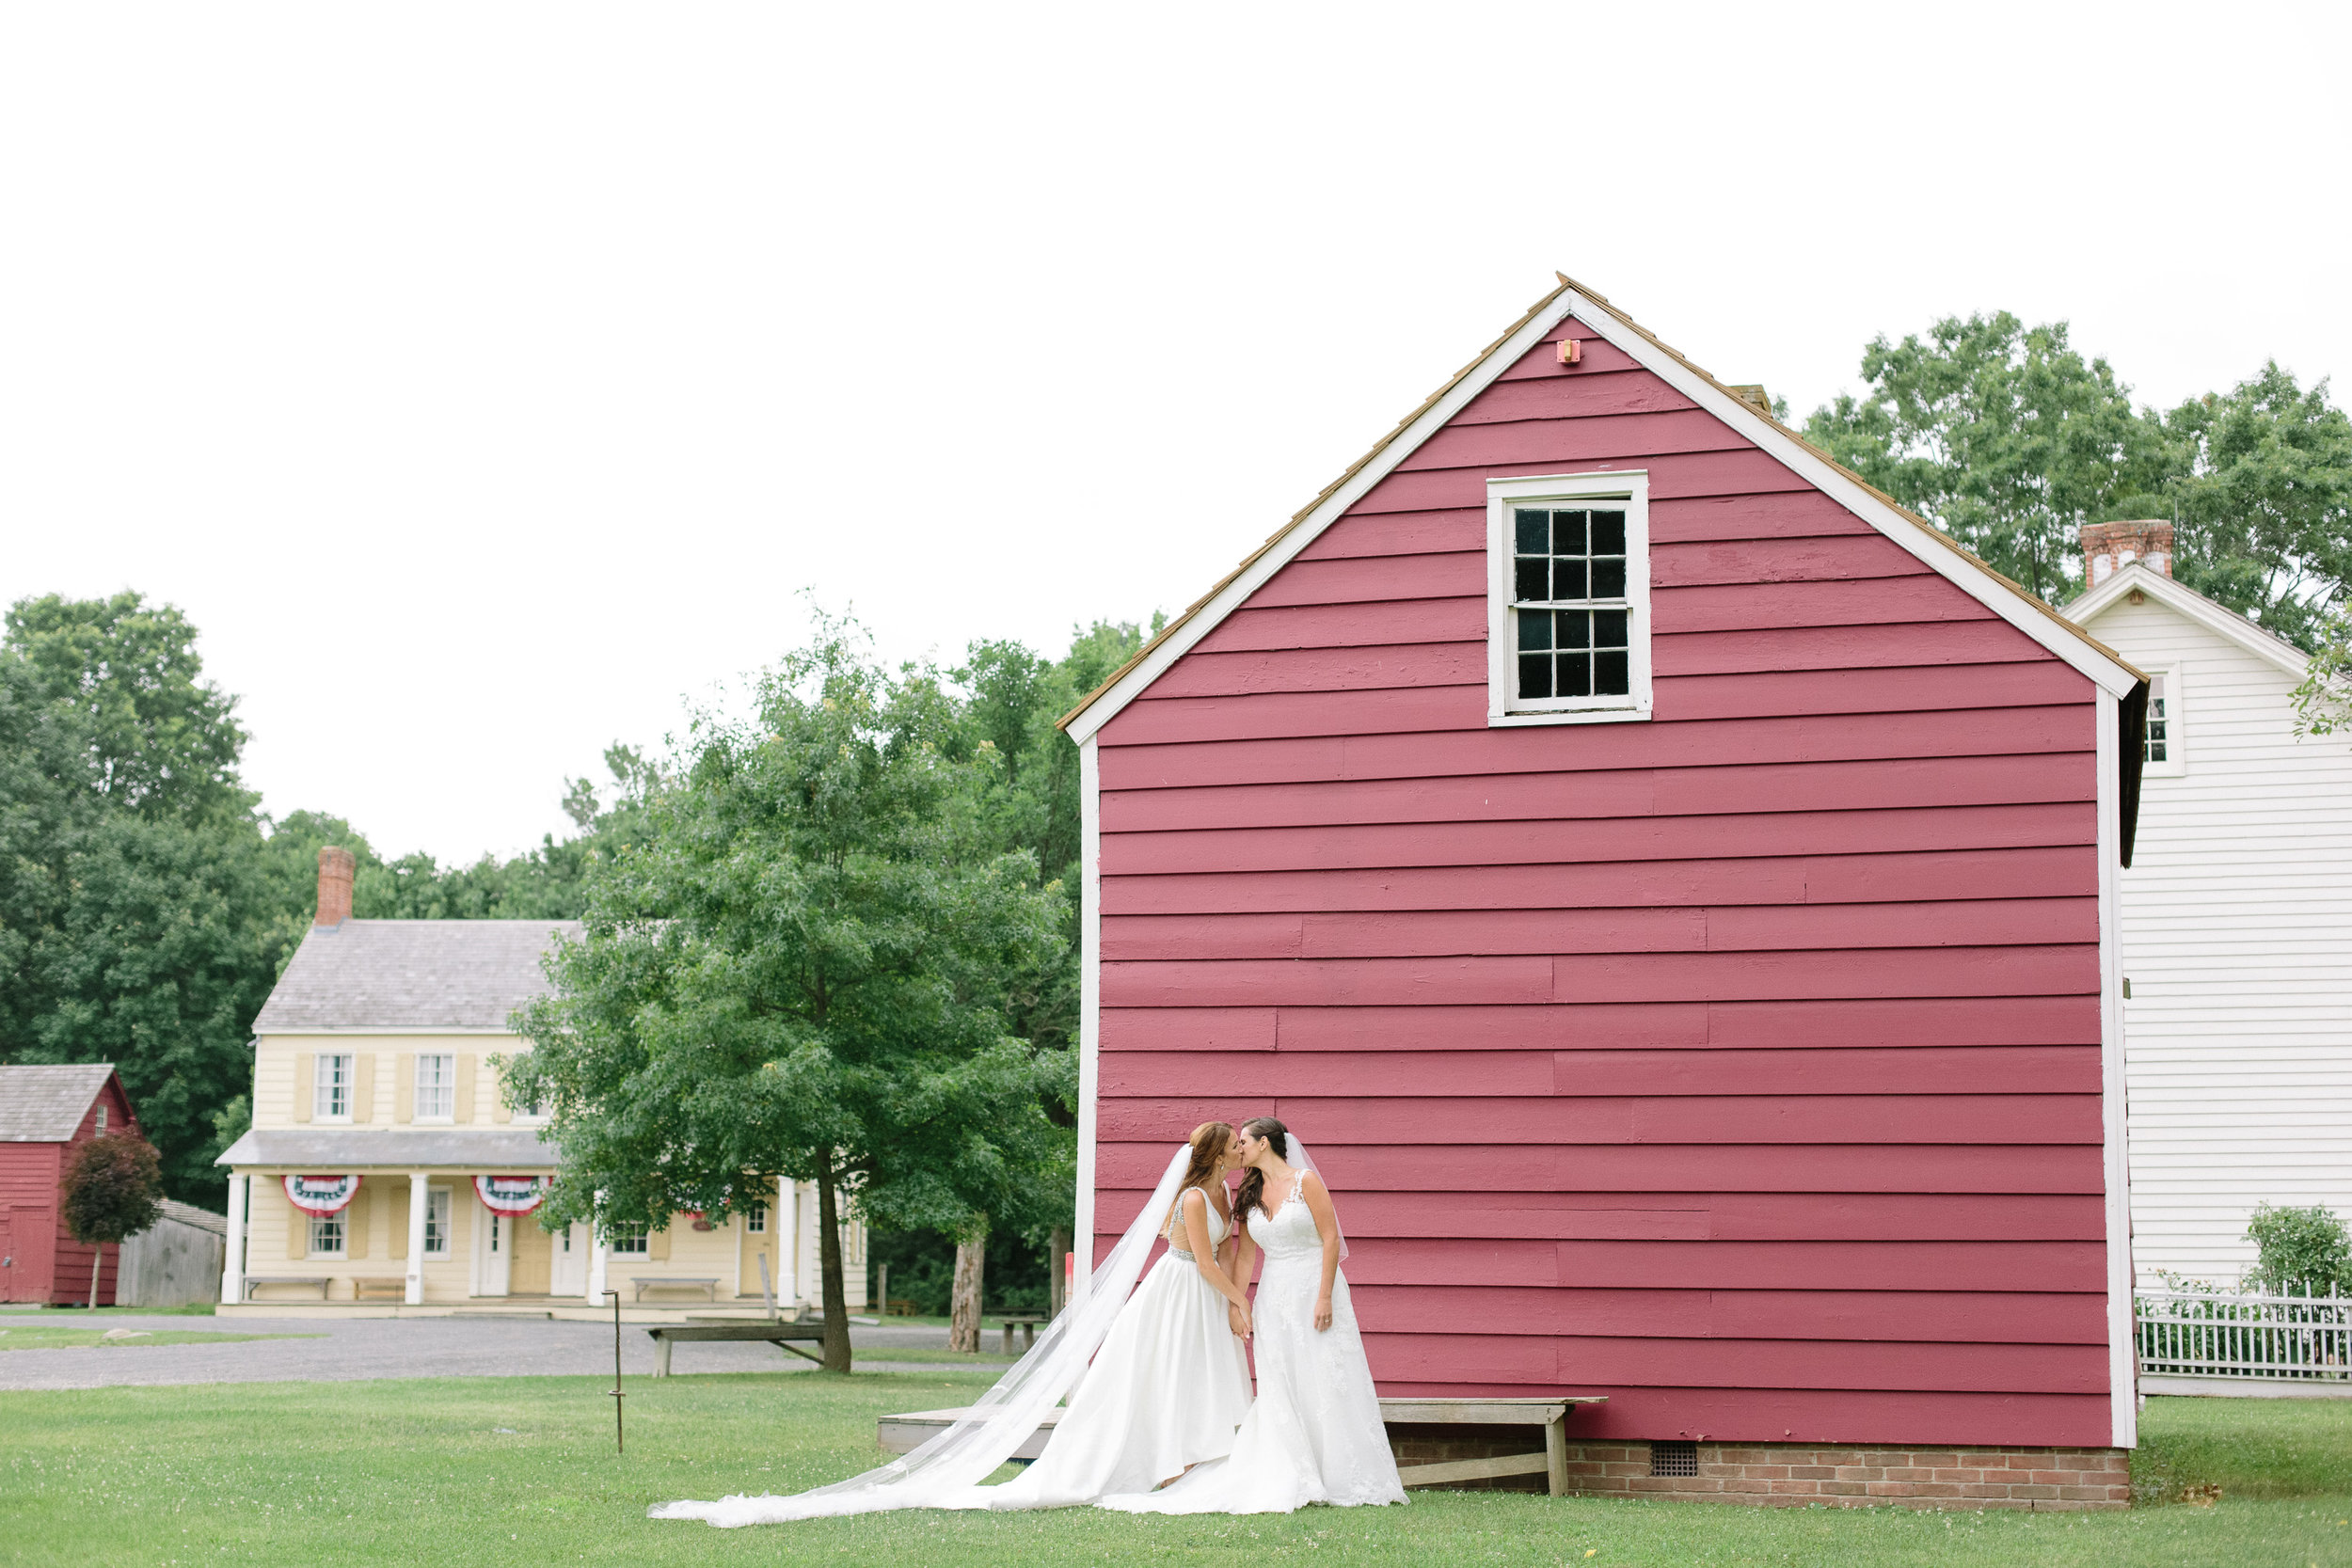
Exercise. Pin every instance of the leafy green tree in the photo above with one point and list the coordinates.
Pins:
(113, 1188)
(2262, 492)
(2003, 436)
(804, 970)
(2300, 1250)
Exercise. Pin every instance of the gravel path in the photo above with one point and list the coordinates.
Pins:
(397, 1347)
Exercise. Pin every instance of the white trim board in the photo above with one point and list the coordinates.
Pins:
(1089, 1004)
(2217, 618)
(1939, 554)
(2122, 1358)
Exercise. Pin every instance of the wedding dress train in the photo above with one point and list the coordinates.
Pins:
(1314, 1435)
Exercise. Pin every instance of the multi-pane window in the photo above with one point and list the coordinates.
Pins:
(2159, 725)
(627, 1238)
(436, 1086)
(331, 1088)
(436, 1222)
(327, 1235)
(755, 1219)
(1569, 604)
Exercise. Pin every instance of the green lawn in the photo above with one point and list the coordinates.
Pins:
(522, 1471)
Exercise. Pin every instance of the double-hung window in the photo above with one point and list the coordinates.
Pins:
(2162, 752)
(436, 1086)
(327, 1234)
(437, 1202)
(629, 1238)
(330, 1089)
(1568, 620)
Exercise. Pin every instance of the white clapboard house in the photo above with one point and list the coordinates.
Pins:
(2237, 920)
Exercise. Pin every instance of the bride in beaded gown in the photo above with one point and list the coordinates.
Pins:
(1314, 1435)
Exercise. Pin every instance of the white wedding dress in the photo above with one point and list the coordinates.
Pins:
(1167, 1389)
(1314, 1435)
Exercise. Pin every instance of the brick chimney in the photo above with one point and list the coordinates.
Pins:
(335, 869)
(2107, 547)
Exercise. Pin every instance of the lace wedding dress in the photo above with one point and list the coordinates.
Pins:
(1314, 1435)
(1168, 1390)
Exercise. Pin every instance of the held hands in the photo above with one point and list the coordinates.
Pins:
(1322, 1313)
(1237, 1319)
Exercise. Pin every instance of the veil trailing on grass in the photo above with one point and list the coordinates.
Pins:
(947, 1471)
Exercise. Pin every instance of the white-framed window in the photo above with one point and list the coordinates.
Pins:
(1568, 617)
(627, 1238)
(2163, 753)
(437, 1210)
(755, 1219)
(331, 1088)
(436, 1086)
(327, 1234)
(101, 1131)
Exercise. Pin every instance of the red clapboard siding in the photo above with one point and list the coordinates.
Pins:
(1880, 1167)
(1714, 743)
(1463, 1068)
(1971, 1316)
(1876, 784)
(1743, 1065)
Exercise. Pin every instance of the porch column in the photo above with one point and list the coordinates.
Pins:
(786, 1245)
(419, 1198)
(595, 1266)
(233, 1269)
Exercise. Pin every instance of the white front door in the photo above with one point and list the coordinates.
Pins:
(493, 1247)
(568, 1273)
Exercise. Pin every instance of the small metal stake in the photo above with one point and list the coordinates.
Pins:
(619, 1444)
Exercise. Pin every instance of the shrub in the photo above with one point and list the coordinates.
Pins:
(2299, 1250)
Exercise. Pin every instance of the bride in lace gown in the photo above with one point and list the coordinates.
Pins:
(1171, 1383)
(1314, 1435)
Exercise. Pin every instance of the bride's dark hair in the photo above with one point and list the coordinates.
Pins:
(1253, 1180)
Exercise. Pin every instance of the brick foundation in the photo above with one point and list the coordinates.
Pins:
(1790, 1475)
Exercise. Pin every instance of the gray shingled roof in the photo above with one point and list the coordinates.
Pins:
(341, 1148)
(45, 1104)
(411, 974)
(188, 1213)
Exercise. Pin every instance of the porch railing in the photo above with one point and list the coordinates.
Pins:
(2198, 1333)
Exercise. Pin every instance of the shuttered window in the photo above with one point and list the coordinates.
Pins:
(436, 1222)
(331, 1088)
(628, 1239)
(1570, 599)
(436, 1086)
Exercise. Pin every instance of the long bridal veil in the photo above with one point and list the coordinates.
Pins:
(1298, 1159)
(947, 1471)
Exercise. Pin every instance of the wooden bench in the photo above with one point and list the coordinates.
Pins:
(255, 1281)
(709, 1288)
(382, 1288)
(903, 1432)
(777, 1333)
(1028, 1332)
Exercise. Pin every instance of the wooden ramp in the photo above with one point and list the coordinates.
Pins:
(903, 1432)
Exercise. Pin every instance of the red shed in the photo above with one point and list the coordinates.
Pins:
(44, 1111)
(1672, 888)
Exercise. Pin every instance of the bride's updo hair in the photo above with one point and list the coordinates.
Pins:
(1209, 1142)
(1253, 1182)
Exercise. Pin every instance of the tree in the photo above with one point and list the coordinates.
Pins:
(2304, 1250)
(804, 970)
(114, 1188)
(2261, 490)
(2004, 436)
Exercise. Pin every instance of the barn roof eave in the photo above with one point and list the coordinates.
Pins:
(1936, 549)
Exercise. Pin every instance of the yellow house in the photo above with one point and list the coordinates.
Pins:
(384, 1173)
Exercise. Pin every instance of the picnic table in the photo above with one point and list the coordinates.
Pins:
(780, 1334)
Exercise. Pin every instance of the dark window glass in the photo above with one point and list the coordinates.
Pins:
(1609, 676)
(1567, 579)
(1534, 674)
(1576, 627)
(1533, 580)
(1568, 533)
(1609, 533)
(1535, 631)
(1568, 555)
(1609, 579)
(1576, 675)
(1609, 628)
(1532, 526)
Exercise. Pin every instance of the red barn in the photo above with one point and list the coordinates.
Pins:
(45, 1111)
(1673, 890)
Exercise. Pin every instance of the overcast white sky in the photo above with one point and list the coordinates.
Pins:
(486, 380)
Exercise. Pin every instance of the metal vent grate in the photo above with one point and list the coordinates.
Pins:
(1674, 1458)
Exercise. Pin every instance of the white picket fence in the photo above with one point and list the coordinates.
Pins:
(2299, 1339)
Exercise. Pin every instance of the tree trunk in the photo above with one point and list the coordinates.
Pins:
(836, 1341)
(97, 1266)
(963, 1320)
(1057, 1282)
